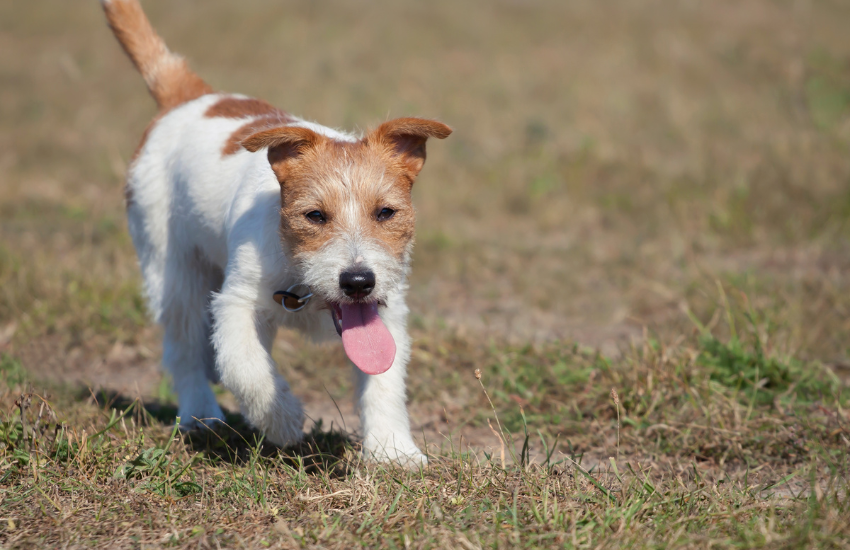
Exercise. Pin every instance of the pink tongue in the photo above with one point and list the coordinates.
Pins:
(366, 340)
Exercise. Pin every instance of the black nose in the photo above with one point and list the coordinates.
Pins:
(357, 284)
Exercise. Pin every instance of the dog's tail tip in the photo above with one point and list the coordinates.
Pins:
(170, 80)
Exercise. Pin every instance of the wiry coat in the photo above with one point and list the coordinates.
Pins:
(216, 199)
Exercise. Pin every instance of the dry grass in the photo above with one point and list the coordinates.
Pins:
(701, 463)
(652, 197)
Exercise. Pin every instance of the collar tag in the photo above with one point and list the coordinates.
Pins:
(294, 298)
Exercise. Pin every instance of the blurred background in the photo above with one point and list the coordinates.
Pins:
(619, 171)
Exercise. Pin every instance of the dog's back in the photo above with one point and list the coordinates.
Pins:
(190, 162)
(183, 176)
(179, 184)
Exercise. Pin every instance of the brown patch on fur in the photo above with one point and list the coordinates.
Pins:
(234, 143)
(167, 75)
(243, 107)
(265, 116)
(318, 173)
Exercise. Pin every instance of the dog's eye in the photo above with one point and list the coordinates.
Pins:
(385, 214)
(315, 216)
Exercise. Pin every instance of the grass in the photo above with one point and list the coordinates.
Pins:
(647, 198)
(700, 463)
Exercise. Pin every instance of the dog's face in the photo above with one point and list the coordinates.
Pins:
(346, 216)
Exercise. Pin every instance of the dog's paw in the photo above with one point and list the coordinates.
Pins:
(288, 431)
(196, 418)
(283, 423)
(402, 451)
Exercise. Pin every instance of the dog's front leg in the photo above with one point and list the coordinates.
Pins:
(381, 398)
(243, 337)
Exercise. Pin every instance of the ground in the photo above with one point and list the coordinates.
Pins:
(639, 234)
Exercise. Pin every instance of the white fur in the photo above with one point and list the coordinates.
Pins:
(206, 229)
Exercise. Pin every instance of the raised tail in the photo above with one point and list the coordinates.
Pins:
(170, 80)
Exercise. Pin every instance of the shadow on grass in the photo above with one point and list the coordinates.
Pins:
(235, 442)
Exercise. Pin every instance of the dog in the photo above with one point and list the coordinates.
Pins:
(245, 219)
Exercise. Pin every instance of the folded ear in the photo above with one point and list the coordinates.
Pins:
(284, 144)
(407, 137)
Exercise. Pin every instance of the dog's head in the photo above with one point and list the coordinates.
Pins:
(346, 216)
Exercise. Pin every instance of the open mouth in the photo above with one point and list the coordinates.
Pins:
(365, 337)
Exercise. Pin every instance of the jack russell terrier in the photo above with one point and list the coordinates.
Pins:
(246, 218)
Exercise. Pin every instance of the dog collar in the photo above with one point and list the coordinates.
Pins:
(294, 298)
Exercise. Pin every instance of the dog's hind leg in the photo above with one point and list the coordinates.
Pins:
(187, 351)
